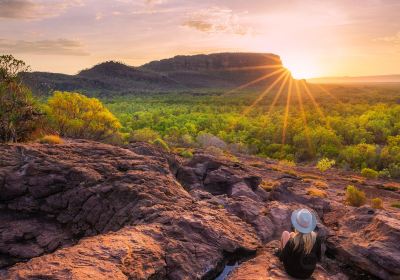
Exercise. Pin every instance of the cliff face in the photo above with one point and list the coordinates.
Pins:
(218, 61)
(214, 71)
(85, 210)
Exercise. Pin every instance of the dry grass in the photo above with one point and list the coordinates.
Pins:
(396, 204)
(214, 151)
(357, 180)
(51, 139)
(267, 186)
(320, 185)
(291, 172)
(377, 203)
(316, 192)
(288, 163)
(389, 187)
(308, 176)
(354, 196)
(257, 164)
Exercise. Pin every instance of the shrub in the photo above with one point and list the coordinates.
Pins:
(369, 173)
(377, 203)
(360, 156)
(396, 204)
(325, 164)
(394, 169)
(77, 116)
(354, 196)
(186, 140)
(186, 154)
(239, 148)
(144, 135)
(51, 139)
(208, 140)
(20, 116)
(316, 192)
(118, 139)
(384, 173)
(214, 151)
(289, 163)
(161, 144)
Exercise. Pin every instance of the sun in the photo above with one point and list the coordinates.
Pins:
(301, 69)
(299, 74)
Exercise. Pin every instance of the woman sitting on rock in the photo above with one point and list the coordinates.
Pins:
(300, 250)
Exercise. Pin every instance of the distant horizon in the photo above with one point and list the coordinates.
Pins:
(309, 78)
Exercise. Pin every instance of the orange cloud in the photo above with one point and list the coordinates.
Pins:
(29, 9)
(390, 39)
(44, 47)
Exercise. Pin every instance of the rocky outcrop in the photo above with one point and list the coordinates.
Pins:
(84, 210)
(52, 197)
(217, 61)
(367, 238)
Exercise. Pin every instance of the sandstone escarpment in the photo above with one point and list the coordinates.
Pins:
(217, 61)
(84, 210)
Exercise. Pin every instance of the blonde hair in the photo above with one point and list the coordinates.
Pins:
(308, 239)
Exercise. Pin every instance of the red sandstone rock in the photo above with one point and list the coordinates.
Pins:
(85, 210)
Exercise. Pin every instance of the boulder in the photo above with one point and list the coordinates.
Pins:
(368, 239)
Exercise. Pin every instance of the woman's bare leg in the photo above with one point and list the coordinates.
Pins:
(284, 239)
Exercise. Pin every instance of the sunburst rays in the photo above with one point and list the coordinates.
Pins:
(264, 77)
(329, 94)
(284, 80)
(265, 92)
(246, 68)
(303, 115)
(287, 108)
(278, 94)
(314, 102)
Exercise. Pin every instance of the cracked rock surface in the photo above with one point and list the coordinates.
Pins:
(86, 210)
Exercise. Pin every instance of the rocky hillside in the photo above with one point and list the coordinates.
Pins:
(85, 210)
(223, 70)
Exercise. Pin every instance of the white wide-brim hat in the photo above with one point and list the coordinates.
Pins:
(303, 220)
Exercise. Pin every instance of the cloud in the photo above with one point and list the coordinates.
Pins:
(30, 9)
(155, 2)
(215, 20)
(395, 39)
(44, 47)
(99, 15)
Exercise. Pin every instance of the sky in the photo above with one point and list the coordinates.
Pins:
(314, 38)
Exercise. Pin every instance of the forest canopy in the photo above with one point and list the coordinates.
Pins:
(358, 129)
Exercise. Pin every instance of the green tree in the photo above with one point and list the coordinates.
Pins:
(77, 116)
(144, 135)
(19, 113)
